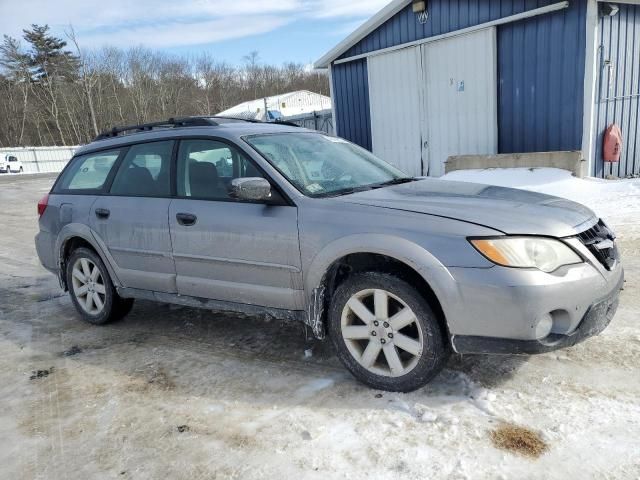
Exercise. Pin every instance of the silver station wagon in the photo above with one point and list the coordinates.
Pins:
(274, 219)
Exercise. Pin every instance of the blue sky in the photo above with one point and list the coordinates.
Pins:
(280, 30)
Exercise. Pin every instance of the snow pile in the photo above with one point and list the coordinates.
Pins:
(618, 201)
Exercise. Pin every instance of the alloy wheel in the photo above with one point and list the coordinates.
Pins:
(88, 286)
(381, 332)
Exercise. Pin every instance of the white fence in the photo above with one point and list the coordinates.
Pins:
(54, 159)
(320, 120)
(41, 159)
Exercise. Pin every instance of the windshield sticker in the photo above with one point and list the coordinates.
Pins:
(314, 187)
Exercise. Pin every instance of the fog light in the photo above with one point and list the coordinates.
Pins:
(544, 326)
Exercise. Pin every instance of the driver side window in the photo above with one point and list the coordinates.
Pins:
(207, 167)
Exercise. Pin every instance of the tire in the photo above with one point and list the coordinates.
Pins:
(417, 330)
(109, 306)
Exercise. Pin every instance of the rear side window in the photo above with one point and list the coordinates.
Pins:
(145, 171)
(88, 172)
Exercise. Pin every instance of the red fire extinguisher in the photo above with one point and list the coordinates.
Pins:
(612, 143)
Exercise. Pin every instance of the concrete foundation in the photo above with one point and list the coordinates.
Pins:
(571, 161)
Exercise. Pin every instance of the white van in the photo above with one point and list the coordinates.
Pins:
(10, 164)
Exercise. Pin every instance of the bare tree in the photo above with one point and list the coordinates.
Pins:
(49, 95)
(88, 78)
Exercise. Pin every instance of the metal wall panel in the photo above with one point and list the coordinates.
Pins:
(618, 89)
(444, 16)
(396, 113)
(351, 102)
(541, 81)
(540, 65)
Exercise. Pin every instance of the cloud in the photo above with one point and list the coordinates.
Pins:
(177, 34)
(171, 23)
(342, 8)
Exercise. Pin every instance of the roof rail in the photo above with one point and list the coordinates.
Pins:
(171, 123)
(209, 121)
(285, 122)
(236, 119)
(253, 120)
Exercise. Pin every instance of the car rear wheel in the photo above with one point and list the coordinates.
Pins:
(91, 289)
(386, 333)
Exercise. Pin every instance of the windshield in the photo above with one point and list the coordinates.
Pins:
(319, 165)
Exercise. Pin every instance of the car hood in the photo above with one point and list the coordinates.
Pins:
(508, 210)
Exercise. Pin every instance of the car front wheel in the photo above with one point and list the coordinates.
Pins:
(91, 289)
(386, 333)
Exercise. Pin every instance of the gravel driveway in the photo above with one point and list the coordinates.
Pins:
(173, 392)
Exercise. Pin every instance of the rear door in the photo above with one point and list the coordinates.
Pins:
(75, 191)
(230, 250)
(132, 219)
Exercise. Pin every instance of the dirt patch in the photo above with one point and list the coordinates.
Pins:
(160, 379)
(520, 440)
(36, 374)
(238, 440)
(75, 350)
(154, 378)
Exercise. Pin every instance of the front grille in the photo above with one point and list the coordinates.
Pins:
(601, 243)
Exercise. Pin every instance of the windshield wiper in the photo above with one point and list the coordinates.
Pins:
(343, 191)
(395, 181)
(362, 188)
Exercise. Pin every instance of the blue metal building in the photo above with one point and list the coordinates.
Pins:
(490, 76)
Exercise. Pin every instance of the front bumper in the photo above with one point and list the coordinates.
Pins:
(510, 310)
(596, 318)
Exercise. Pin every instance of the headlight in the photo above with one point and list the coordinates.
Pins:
(545, 254)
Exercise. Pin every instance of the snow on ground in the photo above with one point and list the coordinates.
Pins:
(180, 393)
(615, 200)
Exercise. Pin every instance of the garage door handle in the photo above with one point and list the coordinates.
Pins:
(102, 213)
(186, 219)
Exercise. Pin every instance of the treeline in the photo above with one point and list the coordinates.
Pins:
(52, 92)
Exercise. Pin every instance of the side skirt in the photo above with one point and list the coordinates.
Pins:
(216, 305)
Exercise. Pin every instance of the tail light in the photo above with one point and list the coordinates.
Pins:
(42, 204)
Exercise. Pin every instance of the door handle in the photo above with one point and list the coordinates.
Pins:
(102, 213)
(186, 219)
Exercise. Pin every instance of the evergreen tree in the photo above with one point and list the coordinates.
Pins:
(48, 58)
(16, 65)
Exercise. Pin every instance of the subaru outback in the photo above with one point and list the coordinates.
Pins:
(398, 272)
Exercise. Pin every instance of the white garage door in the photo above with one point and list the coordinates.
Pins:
(394, 90)
(461, 97)
(433, 101)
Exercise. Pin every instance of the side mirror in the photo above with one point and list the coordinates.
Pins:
(250, 188)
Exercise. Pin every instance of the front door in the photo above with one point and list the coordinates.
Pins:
(225, 249)
(132, 220)
(433, 101)
(460, 97)
(395, 96)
